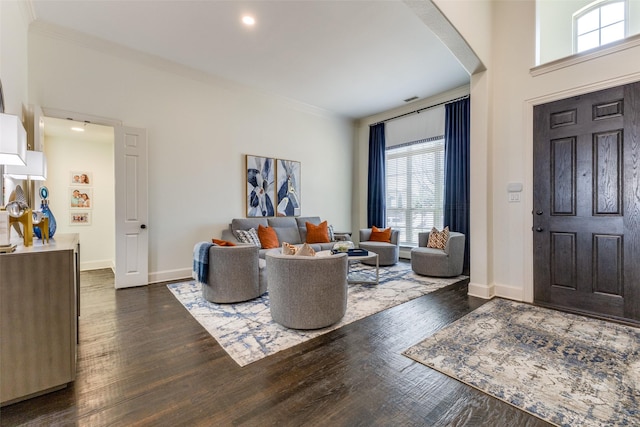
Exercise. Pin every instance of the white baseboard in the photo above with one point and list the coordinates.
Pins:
(481, 291)
(168, 275)
(97, 265)
(509, 292)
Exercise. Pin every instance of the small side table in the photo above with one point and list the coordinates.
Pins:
(342, 236)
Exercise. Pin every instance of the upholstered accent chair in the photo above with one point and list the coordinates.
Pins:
(388, 253)
(307, 292)
(447, 262)
(236, 274)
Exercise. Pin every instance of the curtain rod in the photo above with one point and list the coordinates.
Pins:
(419, 110)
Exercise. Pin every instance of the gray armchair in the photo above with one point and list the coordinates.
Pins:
(307, 292)
(388, 253)
(447, 262)
(236, 274)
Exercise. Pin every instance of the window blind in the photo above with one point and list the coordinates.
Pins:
(415, 187)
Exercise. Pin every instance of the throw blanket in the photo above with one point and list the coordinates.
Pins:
(201, 261)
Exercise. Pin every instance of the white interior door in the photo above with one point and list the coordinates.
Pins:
(132, 237)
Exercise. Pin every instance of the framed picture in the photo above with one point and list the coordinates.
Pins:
(260, 179)
(81, 178)
(80, 218)
(80, 197)
(288, 188)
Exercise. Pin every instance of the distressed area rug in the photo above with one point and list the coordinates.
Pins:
(247, 333)
(566, 369)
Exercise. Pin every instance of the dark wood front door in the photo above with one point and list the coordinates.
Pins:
(586, 215)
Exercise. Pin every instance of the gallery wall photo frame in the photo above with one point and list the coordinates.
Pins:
(288, 188)
(80, 218)
(260, 186)
(80, 197)
(83, 178)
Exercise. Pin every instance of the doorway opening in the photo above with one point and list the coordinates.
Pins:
(81, 183)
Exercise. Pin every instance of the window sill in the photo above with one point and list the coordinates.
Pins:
(628, 43)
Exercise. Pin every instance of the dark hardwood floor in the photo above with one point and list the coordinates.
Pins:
(143, 360)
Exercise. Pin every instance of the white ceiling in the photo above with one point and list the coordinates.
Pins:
(62, 128)
(354, 58)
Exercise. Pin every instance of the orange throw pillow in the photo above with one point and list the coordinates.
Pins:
(268, 237)
(378, 235)
(318, 233)
(222, 242)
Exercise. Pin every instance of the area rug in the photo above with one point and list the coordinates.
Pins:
(566, 369)
(247, 333)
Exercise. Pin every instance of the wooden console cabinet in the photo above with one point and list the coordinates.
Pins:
(39, 307)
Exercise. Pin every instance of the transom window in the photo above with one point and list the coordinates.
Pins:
(599, 23)
(415, 187)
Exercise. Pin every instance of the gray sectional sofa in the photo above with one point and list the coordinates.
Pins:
(288, 229)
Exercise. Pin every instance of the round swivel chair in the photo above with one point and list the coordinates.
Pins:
(307, 292)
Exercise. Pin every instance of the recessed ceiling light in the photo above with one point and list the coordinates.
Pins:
(248, 20)
(77, 129)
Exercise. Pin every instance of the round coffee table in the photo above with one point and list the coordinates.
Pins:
(353, 277)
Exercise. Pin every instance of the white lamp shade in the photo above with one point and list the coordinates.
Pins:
(35, 169)
(13, 141)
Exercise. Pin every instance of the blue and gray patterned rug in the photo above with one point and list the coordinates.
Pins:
(566, 369)
(247, 333)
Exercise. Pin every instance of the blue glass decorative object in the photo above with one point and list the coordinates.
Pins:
(44, 207)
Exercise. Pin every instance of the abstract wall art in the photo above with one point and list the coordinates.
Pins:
(260, 179)
(288, 190)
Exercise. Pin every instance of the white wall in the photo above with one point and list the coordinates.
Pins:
(14, 22)
(474, 20)
(505, 96)
(199, 130)
(13, 55)
(63, 157)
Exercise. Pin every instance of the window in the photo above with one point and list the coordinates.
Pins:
(599, 23)
(415, 187)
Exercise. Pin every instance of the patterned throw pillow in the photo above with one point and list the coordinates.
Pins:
(248, 236)
(438, 239)
(332, 236)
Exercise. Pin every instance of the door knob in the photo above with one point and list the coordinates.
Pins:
(539, 229)
(143, 226)
(539, 212)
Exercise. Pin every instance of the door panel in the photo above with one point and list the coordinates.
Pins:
(131, 208)
(587, 203)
